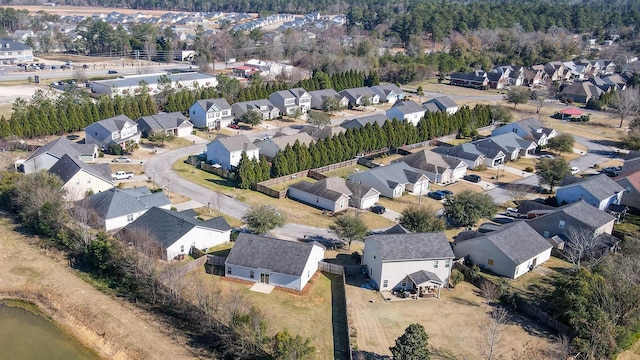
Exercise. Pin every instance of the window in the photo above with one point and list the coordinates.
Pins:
(229, 270)
(514, 130)
(385, 284)
(181, 248)
(193, 112)
(447, 263)
(490, 261)
(435, 264)
(77, 181)
(403, 284)
(251, 274)
(561, 224)
(89, 181)
(130, 218)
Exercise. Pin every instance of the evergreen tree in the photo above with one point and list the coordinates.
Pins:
(245, 176)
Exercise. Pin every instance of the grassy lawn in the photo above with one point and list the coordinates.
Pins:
(387, 159)
(220, 250)
(522, 163)
(405, 201)
(285, 185)
(346, 171)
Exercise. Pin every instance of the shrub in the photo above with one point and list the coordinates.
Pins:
(528, 169)
(474, 272)
(356, 257)
(481, 167)
(456, 277)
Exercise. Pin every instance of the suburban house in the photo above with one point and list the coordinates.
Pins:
(472, 154)
(441, 103)
(130, 84)
(578, 216)
(356, 96)
(357, 123)
(511, 144)
(498, 77)
(115, 208)
(406, 110)
(289, 100)
(536, 74)
(177, 232)
(392, 180)
(283, 263)
(326, 132)
(320, 97)
(528, 129)
(173, 123)
(581, 91)
(555, 71)
(420, 262)
(334, 194)
(227, 151)
(511, 251)
(388, 92)
(477, 79)
(270, 147)
(264, 106)
(629, 179)
(439, 168)
(115, 130)
(211, 113)
(13, 52)
(46, 156)
(599, 191)
(80, 179)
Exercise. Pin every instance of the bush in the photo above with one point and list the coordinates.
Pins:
(528, 169)
(456, 277)
(474, 272)
(481, 167)
(356, 257)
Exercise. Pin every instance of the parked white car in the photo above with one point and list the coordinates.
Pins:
(513, 212)
(574, 170)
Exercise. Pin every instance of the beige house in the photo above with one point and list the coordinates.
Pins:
(81, 179)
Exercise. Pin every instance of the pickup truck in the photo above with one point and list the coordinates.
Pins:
(121, 175)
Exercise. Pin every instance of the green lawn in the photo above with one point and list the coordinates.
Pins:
(346, 171)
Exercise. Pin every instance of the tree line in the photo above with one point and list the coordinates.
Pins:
(346, 145)
(220, 326)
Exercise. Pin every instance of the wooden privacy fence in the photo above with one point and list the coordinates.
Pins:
(217, 171)
(330, 268)
(340, 316)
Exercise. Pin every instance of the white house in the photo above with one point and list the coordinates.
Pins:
(320, 97)
(599, 191)
(177, 232)
(408, 261)
(392, 180)
(173, 123)
(131, 84)
(115, 130)
(334, 194)
(357, 95)
(115, 208)
(289, 100)
(441, 103)
(283, 263)
(264, 106)
(406, 110)
(211, 113)
(270, 147)
(388, 92)
(512, 250)
(227, 151)
(12, 52)
(529, 129)
(46, 156)
(80, 179)
(440, 169)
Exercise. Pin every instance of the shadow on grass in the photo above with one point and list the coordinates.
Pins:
(339, 320)
(367, 355)
(222, 182)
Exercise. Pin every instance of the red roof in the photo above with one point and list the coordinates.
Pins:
(245, 68)
(572, 112)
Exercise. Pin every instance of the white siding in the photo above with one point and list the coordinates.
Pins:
(199, 237)
(395, 271)
(122, 221)
(197, 115)
(420, 187)
(275, 279)
(369, 201)
(41, 162)
(459, 172)
(482, 253)
(82, 182)
(185, 129)
(317, 201)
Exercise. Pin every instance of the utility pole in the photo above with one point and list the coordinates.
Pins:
(137, 62)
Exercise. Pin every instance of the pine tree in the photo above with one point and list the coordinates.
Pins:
(245, 175)
(5, 130)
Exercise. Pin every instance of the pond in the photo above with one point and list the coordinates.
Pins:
(25, 335)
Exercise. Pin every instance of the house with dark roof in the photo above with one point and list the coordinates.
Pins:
(115, 130)
(46, 156)
(629, 180)
(360, 122)
(80, 179)
(511, 144)
(325, 132)
(529, 129)
(389, 93)
(405, 261)
(439, 168)
(441, 103)
(392, 180)
(599, 191)
(581, 91)
(173, 123)
(269, 147)
(227, 151)
(476, 79)
(511, 251)
(334, 194)
(407, 111)
(115, 208)
(356, 96)
(176, 232)
(12, 52)
(472, 154)
(320, 97)
(289, 100)
(283, 263)
(211, 113)
(579, 216)
(263, 106)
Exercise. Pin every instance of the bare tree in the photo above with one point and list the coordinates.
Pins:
(540, 96)
(580, 244)
(625, 103)
(216, 201)
(490, 291)
(518, 192)
(140, 260)
(496, 320)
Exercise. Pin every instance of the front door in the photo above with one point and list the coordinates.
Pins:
(535, 262)
(264, 278)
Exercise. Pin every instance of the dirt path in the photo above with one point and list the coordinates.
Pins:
(114, 329)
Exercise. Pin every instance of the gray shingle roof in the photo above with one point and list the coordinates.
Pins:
(166, 226)
(396, 247)
(600, 186)
(360, 122)
(578, 214)
(67, 167)
(236, 143)
(115, 123)
(220, 103)
(430, 161)
(119, 202)
(62, 146)
(12, 45)
(442, 102)
(408, 107)
(391, 175)
(331, 188)
(165, 121)
(280, 256)
(517, 241)
(420, 277)
(396, 229)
